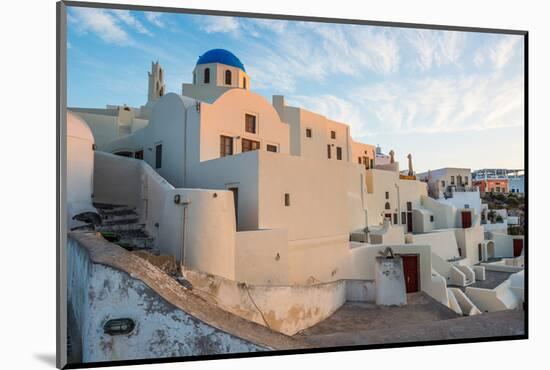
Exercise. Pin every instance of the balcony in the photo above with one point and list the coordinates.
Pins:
(449, 190)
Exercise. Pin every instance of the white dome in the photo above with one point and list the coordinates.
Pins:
(77, 127)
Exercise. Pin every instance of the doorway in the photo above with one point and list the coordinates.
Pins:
(518, 247)
(409, 217)
(480, 252)
(466, 219)
(235, 192)
(411, 272)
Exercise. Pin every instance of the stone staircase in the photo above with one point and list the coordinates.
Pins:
(120, 225)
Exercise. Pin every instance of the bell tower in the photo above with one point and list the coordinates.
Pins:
(156, 82)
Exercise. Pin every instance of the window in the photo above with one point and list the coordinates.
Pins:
(328, 151)
(431, 218)
(244, 82)
(372, 163)
(119, 326)
(443, 183)
(409, 207)
(452, 180)
(139, 154)
(498, 189)
(339, 153)
(125, 154)
(333, 134)
(387, 195)
(359, 160)
(287, 200)
(194, 78)
(158, 156)
(395, 219)
(403, 218)
(248, 145)
(308, 132)
(226, 146)
(250, 123)
(465, 180)
(228, 77)
(207, 76)
(271, 148)
(387, 206)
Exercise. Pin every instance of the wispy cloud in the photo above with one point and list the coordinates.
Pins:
(100, 22)
(443, 104)
(155, 19)
(504, 50)
(333, 107)
(291, 53)
(126, 17)
(217, 24)
(436, 48)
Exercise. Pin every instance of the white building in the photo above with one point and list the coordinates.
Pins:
(271, 194)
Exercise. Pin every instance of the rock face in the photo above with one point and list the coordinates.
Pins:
(106, 282)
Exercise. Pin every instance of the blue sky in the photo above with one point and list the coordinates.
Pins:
(450, 98)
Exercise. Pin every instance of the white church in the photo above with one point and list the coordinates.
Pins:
(243, 190)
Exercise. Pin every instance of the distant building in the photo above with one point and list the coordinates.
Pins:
(498, 180)
(491, 180)
(381, 158)
(516, 182)
(444, 181)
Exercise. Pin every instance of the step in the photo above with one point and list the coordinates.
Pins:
(143, 245)
(117, 212)
(138, 242)
(119, 217)
(130, 234)
(110, 207)
(125, 221)
(120, 226)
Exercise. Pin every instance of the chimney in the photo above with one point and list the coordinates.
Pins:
(279, 104)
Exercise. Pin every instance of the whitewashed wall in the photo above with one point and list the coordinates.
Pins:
(80, 167)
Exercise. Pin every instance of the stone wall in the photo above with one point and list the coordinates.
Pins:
(106, 282)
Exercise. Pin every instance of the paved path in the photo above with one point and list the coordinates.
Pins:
(423, 319)
(492, 279)
(353, 316)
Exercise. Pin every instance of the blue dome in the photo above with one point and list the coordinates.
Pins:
(220, 56)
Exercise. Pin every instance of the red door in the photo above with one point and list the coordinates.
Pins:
(466, 219)
(410, 271)
(518, 247)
